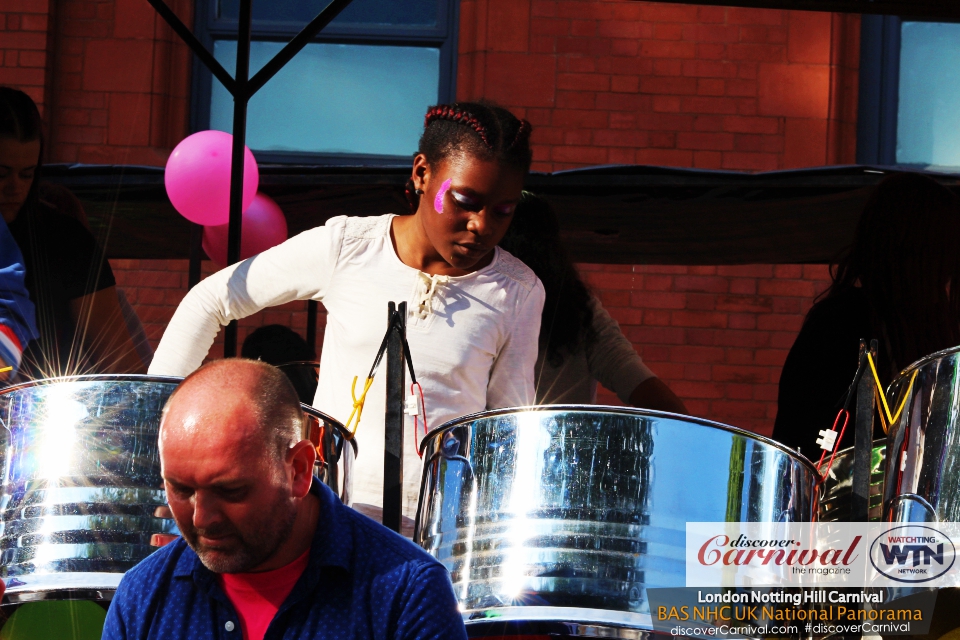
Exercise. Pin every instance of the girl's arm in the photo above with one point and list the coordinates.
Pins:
(298, 269)
(511, 378)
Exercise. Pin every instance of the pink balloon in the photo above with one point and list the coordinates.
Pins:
(197, 177)
(264, 226)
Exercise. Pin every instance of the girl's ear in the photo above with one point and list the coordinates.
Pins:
(421, 171)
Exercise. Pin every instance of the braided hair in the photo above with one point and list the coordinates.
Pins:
(481, 129)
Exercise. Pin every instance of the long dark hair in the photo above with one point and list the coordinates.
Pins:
(534, 238)
(905, 258)
(20, 121)
(480, 128)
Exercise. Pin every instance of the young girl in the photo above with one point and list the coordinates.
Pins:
(473, 309)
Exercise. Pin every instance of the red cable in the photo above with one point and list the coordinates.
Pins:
(846, 419)
(423, 409)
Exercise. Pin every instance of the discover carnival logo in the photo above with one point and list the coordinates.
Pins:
(912, 553)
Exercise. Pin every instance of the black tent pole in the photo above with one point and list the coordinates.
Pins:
(240, 99)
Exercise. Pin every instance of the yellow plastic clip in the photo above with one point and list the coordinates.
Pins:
(357, 405)
(891, 418)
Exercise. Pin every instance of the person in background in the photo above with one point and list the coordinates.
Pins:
(279, 345)
(266, 548)
(895, 284)
(79, 320)
(580, 344)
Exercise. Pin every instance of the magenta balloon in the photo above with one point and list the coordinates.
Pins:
(264, 226)
(197, 177)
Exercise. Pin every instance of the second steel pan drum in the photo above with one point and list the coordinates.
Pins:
(82, 498)
(837, 489)
(554, 514)
(922, 481)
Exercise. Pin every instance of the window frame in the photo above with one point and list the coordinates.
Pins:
(444, 36)
(879, 90)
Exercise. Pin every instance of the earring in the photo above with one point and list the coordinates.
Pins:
(419, 192)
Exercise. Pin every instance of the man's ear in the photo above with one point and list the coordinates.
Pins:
(302, 457)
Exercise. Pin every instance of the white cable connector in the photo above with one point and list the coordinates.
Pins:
(827, 439)
(411, 407)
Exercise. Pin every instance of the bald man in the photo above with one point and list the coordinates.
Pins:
(268, 552)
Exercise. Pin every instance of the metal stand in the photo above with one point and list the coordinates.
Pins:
(393, 419)
(863, 439)
(242, 88)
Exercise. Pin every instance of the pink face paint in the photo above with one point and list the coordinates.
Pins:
(438, 201)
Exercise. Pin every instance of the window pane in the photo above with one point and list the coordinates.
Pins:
(369, 12)
(334, 98)
(928, 122)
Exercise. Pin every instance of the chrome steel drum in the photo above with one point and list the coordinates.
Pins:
(82, 497)
(837, 488)
(570, 513)
(922, 481)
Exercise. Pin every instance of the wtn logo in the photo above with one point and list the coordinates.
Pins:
(912, 553)
(921, 553)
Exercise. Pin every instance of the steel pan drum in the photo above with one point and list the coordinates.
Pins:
(81, 482)
(837, 490)
(922, 481)
(570, 513)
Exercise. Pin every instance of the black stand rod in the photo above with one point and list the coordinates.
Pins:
(240, 99)
(196, 254)
(312, 324)
(393, 421)
(863, 438)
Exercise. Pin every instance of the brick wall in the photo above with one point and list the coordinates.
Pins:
(121, 83)
(25, 47)
(606, 81)
(603, 81)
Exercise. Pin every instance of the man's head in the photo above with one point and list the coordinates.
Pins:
(233, 462)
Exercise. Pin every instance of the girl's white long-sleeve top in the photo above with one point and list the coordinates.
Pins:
(473, 338)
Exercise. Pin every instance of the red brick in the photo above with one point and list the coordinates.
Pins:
(575, 100)
(757, 52)
(744, 161)
(738, 15)
(668, 49)
(737, 124)
(663, 140)
(707, 159)
(610, 29)
(754, 375)
(708, 141)
(654, 335)
(699, 319)
(656, 300)
(708, 105)
(523, 80)
(620, 138)
(629, 84)
(665, 157)
(549, 27)
(712, 33)
(669, 104)
(686, 389)
(581, 118)
(666, 31)
(711, 87)
(808, 39)
(805, 143)
(796, 288)
(670, 85)
(22, 76)
(671, 68)
(513, 25)
(709, 69)
(30, 40)
(34, 22)
(583, 81)
(547, 8)
(624, 102)
(579, 155)
(797, 90)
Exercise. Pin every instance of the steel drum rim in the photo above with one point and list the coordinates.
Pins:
(926, 360)
(603, 408)
(140, 377)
